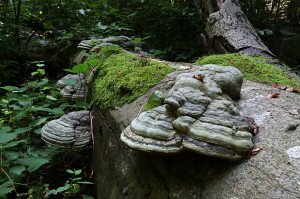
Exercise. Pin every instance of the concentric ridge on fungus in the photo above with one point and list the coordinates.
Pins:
(72, 86)
(70, 131)
(197, 115)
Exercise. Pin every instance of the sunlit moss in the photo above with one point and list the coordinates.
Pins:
(155, 100)
(123, 77)
(256, 69)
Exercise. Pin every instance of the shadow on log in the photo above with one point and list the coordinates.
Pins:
(273, 173)
(124, 173)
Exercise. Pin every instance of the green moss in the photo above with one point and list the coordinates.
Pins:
(123, 77)
(256, 69)
(155, 100)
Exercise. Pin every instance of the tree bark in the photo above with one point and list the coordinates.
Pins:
(228, 30)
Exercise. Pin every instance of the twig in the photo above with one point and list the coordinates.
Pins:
(12, 182)
(92, 135)
(1, 163)
(7, 175)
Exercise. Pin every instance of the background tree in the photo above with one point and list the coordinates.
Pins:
(38, 29)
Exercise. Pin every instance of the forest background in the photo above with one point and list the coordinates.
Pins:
(48, 31)
(38, 38)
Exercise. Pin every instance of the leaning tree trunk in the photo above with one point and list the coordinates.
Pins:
(229, 30)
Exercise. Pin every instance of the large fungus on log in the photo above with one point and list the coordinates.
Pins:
(72, 86)
(153, 131)
(70, 131)
(198, 115)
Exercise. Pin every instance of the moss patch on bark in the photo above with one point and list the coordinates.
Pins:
(122, 77)
(256, 69)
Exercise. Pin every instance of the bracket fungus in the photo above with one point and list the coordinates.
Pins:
(198, 114)
(70, 131)
(123, 41)
(72, 86)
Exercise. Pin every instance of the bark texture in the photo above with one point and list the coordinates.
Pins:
(121, 173)
(229, 30)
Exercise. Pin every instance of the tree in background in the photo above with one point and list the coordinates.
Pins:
(40, 29)
(278, 24)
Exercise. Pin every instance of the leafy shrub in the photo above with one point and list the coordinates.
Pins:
(24, 159)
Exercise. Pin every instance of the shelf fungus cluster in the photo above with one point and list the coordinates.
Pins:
(72, 86)
(93, 44)
(70, 131)
(198, 114)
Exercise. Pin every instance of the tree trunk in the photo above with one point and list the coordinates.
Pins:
(228, 29)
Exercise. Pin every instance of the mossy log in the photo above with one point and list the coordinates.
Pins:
(123, 173)
(273, 173)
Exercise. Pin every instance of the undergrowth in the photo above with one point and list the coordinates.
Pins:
(28, 167)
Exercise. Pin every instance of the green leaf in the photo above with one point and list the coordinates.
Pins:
(6, 137)
(10, 88)
(85, 182)
(38, 121)
(33, 163)
(34, 73)
(15, 107)
(50, 192)
(49, 97)
(5, 129)
(25, 104)
(58, 190)
(41, 71)
(21, 115)
(11, 155)
(38, 72)
(70, 171)
(5, 184)
(23, 89)
(80, 68)
(38, 131)
(64, 188)
(101, 26)
(14, 89)
(77, 172)
(42, 83)
(12, 144)
(47, 88)
(22, 130)
(5, 101)
(48, 153)
(58, 111)
(44, 109)
(4, 191)
(93, 62)
(17, 170)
